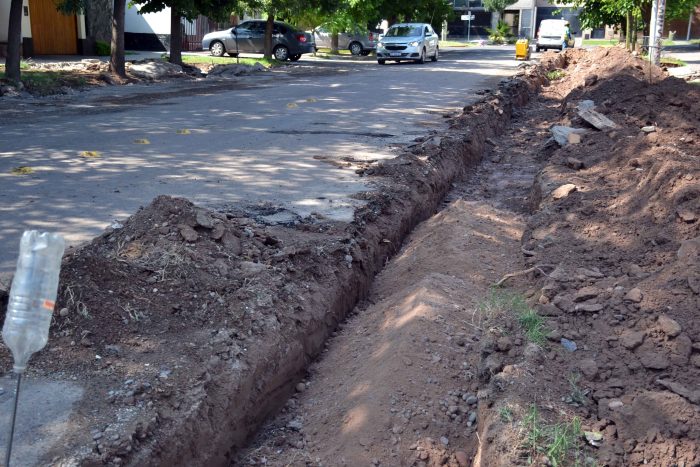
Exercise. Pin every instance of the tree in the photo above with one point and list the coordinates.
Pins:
(117, 63)
(188, 9)
(497, 6)
(14, 39)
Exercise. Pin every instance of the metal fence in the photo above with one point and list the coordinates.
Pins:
(194, 31)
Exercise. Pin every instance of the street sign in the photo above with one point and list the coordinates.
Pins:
(467, 17)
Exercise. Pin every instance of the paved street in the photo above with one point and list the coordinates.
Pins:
(271, 140)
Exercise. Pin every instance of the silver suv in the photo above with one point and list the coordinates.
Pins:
(408, 41)
(358, 41)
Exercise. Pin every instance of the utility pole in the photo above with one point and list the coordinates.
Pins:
(655, 52)
(652, 26)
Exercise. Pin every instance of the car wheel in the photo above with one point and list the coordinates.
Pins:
(437, 53)
(217, 49)
(366, 52)
(421, 59)
(381, 62)
(281, 53)
(355, 48)
(294, 58)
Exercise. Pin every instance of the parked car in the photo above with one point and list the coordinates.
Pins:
(249, 37)
(408, 41)
(550, 35)
(357, 41)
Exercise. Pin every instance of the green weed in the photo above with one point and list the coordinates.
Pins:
(672, 61)
(211, 60)
(560, 443)
(506, 414)
(501, 301)
(555, 75)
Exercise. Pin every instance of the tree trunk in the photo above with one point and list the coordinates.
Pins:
(116, 61)
(14, 40)
(334, 43)
(269, 26)
(633, 39)
(628, 29)
(655, 52)
(175, 36)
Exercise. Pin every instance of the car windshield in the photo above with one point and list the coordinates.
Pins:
(403, 31)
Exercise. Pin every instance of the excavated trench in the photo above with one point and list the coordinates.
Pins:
(239, 364)
(232, 410)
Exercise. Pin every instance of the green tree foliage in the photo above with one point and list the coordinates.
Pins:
(497, 6)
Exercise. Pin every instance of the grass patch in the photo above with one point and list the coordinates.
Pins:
(601, 42)
(555, 75)
(560, 443)
(505, 413)
(502, 301)
(211, 60)
(456, 44)
(44, 82)
(22, 170)
(325, 50)
(672, 61)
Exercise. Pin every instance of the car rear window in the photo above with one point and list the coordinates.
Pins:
(403, 31)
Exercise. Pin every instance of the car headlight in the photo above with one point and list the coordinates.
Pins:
(414, 43)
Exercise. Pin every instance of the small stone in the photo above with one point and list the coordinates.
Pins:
(573, 163)
(504, 344)
(632, 339)
(568, 344)
(97, 436)
(586, 293)
(462, 458)
(669, 326)
(203, 219)
(588, 367)
(300, 387)
(653, 360)
(573, 138)
(554, 335)
(63, 312)
(188, 233)
(348, 258)
(695, 360)
(218, 232)
(563, 191)
(422, 455)
(444, 440)
(472, 417)
(635, 295)
(295, 424)
(648, 129)
(589, 307)
(232, 243)
(615, 404)
(471, 400)
(590, 80)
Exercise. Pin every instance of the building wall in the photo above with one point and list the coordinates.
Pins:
(681, 27)
(5, 17)
(150, 31)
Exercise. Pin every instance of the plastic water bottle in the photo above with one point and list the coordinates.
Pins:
(33, 295)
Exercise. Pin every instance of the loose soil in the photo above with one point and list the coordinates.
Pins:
(435, 368)
(189, 327)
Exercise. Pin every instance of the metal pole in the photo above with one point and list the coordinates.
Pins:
(8, 452)
(660, 16)
(690, 24)
(469, 28)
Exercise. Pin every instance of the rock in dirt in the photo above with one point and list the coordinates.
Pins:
(203, 219)
(561, 134)
(648, 129)
(586, 293)
(568, 344)
(504, 344)
(573, 163)
(596, 119)
(669, 326)
(695, 360)
(632, 339)
(188, 233)
(563, 191)
(692, 395)
(635, 295)
(689, 250)
(653, 360)
(232, 243)
(588, 367)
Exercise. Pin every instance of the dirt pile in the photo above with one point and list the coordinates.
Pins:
(190, 324)
(614, 238)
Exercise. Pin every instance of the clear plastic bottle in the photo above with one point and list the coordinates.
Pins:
(33, 295)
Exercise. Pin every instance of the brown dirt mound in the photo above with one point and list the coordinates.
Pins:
(622, 262)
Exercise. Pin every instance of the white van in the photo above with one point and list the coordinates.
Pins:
(551, 35)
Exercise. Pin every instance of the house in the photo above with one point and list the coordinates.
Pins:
(523, 17)
(151, 31)
(46, 31)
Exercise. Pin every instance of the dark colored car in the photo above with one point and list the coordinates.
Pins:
(249, 37)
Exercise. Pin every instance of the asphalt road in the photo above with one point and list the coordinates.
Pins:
(268, 140)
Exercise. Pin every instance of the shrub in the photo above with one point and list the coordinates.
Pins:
(102, 48)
